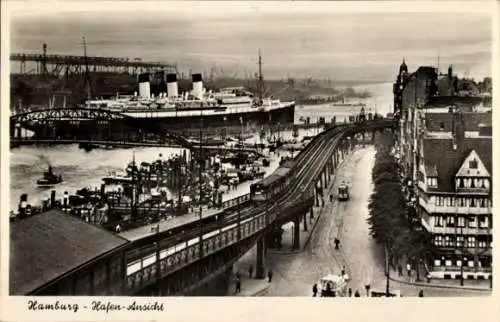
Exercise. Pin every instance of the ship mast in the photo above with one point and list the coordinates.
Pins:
(87, 75)
(260, 84)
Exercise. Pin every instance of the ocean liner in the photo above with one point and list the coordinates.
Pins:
(225, 110)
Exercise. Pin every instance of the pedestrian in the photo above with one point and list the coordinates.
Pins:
(367, 288)
(350, 292)
(238, 286)
(429, 277)
(342, 272)
(250, 271)
(400, 270)
(421, 293)
(356, 294)
(270, 275)
(337, 242)
(331, 198)
(238, 275)
(408, 269)
(315, 290)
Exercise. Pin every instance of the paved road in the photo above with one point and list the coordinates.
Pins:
(296, 273)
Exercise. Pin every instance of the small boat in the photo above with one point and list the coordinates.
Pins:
(117, 178)
(49, 179)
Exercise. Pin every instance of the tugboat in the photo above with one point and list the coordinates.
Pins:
(49, 179)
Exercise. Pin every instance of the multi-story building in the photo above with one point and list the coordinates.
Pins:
(445, 152)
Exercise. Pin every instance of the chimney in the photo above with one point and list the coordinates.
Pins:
(144, 87)
(197, 86)
(172, 90)
(458, 129)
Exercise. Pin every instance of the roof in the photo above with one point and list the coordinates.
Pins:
(278, 173)
(472, 120)
(428, 71)
(465, 103)
(440, 153)
(48, 245)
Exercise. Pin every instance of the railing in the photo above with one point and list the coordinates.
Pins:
(457, 269)
(238, 201)
(433, 208)
(459, 230)
(169, 263)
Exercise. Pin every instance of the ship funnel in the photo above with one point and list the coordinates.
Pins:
(172, 85)
(197, 86)
(144, 88)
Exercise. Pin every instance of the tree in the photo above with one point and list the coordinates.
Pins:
(389, 217)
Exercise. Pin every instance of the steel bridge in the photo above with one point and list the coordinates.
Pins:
(108, 128)
(182, 259)
(76, 65)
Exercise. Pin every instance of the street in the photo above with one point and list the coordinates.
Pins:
(295, 274)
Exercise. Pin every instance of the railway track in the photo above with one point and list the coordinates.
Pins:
(307, 166)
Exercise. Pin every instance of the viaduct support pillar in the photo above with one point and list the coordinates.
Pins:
(305, 221)
(260, 270)
(296, 233)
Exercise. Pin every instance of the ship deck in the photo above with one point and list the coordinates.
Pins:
(206, 113)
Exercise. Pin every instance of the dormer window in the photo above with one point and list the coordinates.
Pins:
(432, 181)
(473, 164)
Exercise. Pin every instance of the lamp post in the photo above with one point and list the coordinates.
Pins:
(199, 182)
(462, 271)
(387, 269)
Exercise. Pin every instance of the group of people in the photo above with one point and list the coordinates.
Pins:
(330, 293)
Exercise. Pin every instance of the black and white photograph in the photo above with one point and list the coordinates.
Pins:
(248, 149)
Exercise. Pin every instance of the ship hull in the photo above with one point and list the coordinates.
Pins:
(150, 123)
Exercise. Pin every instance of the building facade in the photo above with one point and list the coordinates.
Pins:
(445, 154)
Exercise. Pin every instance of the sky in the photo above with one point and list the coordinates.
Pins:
(338, 41)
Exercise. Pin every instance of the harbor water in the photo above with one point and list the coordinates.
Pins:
(81, 169)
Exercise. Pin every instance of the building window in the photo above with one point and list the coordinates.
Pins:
(448, 262)
(461, 202)
(441, 126)
(460, 241)
(467, 182)
(450, 221)
(471, 241)
(473, 164)
(461, 221)
(448, 241)
(472, 222)
(439, 221)
(483, 221)
(481, 243)
(437, 262)
(438, 240)
(472, 202)
(486, 183)
(449, 201)
(459, 183)
(440, 201)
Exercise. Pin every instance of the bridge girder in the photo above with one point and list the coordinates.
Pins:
(71, 114)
